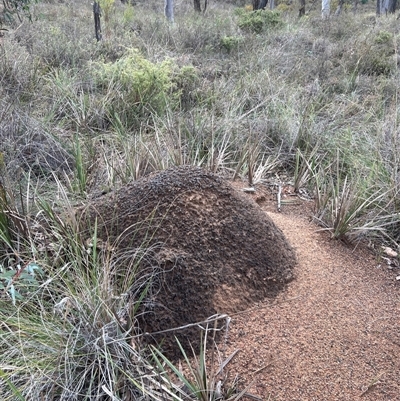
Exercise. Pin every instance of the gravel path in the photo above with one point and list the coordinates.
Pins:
(334, 334)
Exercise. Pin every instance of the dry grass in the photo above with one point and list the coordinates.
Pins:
(311, 99)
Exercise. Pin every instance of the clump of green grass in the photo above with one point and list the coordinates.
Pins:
(77, 320)
(204, 381)
(352, 207)
(260, 21)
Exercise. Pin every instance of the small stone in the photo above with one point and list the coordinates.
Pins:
(389, 252)
(398, 278)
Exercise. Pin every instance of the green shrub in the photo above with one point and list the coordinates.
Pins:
(135, 86)
(230, 43)
(260, 21)
(186, 80)
(128, 14)
(383, 37)
(107, 7)
(19, 280)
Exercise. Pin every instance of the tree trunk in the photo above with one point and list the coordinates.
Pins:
(259, 4)
(392, 6)
(339, 7)
(169, 10)
(326, 9)
(197, 6)
(378, 7)
(302, 9)
(271, 4)
(385, 7)
(97, 14)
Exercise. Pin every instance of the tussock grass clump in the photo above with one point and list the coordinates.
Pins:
(77, 320)
(379, 55)
(19, 72)
(27, 147)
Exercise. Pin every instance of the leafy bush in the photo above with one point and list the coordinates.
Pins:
(383, 37)
(260, 21)
(106, 7)
(135, 86)
(230, 43)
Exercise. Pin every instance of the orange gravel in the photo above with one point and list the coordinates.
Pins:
(333, 334)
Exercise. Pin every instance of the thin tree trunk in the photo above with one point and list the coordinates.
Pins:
(326, 9)
(169, 10)
(97, 26)
(272, 4)
(378, 7)
(392, 6)
(302, 9)
(259, 4)
(339, 7)
(197, 6)
(385, 7)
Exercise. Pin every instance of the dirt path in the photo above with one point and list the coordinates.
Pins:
(334, 334)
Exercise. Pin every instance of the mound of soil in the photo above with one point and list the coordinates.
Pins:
(220, 253)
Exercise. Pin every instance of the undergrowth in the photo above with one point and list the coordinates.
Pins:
(250, 95)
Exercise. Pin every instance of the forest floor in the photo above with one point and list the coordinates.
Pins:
(333, 334)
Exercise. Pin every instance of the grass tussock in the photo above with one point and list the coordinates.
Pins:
(249, 94)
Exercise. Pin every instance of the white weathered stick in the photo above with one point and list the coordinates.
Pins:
(279, 198)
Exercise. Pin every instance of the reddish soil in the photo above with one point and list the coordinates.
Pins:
(333, 334)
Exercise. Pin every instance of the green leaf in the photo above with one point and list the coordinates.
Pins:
(15, 391)
(7, 275)
(14, 294)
